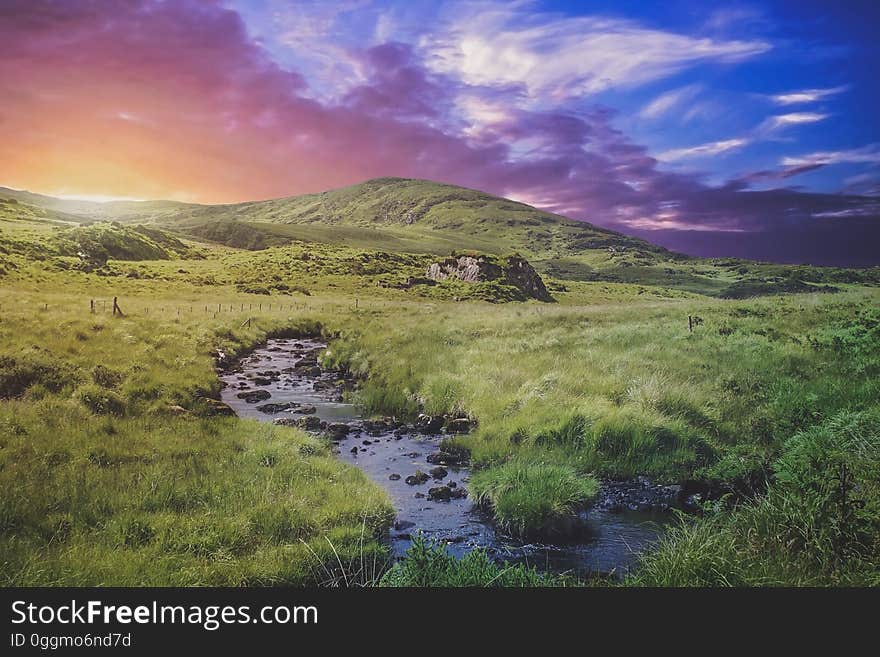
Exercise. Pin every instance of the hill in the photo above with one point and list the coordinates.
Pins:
(410, 214)
(407, 216)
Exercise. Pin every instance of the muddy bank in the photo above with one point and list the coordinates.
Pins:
(282, 382)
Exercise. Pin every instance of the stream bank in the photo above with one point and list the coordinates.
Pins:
(282, 382)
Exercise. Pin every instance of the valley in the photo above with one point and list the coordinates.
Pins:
(123, 465)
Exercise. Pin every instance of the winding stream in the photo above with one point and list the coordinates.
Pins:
(281, 382)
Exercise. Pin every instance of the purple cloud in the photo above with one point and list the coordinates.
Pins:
(150, 98)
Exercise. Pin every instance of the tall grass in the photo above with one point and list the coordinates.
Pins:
(114, 472)
(529, 499)
(105, 481)
(430, 565)
(818, 524)
(624, 388)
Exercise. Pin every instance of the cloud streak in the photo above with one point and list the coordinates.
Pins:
(703, 150)
(668, 101)
(866, 155)
(807, 95)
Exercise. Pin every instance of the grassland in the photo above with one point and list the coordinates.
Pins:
(115, 470)
(107, 480)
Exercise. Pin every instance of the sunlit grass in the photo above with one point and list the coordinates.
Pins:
(106, 481)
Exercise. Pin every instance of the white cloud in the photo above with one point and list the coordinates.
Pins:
(484, 43)
(781, 121)
(764, 131)
(807, 95)
(560, 57)
(479, 113)
(866, 155)
(711, 148)
(668, 101)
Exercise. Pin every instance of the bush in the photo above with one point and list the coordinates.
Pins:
(830, 475)
(533, 499)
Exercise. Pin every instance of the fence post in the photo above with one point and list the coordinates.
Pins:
(92, 305)
(116, 308)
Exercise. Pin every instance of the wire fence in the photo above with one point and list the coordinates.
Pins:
(133, 306)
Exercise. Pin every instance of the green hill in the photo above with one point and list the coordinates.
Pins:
(399, 215)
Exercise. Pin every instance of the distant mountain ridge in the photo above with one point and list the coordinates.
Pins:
(417, 211)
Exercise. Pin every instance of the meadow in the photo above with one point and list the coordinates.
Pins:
(117, 466)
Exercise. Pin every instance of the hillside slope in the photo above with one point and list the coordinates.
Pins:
(406, 216)
(414, 215)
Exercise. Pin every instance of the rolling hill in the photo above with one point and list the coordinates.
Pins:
(393, 213)
(408, 216)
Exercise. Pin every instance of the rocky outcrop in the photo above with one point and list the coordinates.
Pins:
(520, 274)
(514, 271)
(465, 268)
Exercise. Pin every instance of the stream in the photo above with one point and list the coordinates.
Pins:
(281, 382)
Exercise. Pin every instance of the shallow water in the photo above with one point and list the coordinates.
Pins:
(608, 543)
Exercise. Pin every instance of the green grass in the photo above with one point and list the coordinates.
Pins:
(163, 501)
(429, 565)
(817, 525)
(106, 483)
(608, 381)
(623, 387)
(533, 499)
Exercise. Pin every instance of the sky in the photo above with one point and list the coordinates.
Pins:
(742, 129)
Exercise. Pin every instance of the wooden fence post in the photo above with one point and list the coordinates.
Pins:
(92, 305)
(116, 309)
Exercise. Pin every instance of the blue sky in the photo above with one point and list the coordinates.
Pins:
(781, 84)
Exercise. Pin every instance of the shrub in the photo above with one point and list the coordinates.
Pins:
(830, 477)
(818, 524)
